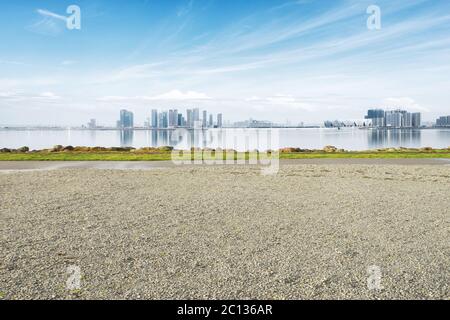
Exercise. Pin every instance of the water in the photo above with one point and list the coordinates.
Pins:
(239, 139)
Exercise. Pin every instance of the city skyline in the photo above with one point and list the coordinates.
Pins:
(163, 119)
(274, 60)
(174, 118)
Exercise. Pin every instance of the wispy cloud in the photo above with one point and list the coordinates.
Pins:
(46, 13)
(50, 23)
(68, 62)
(173, 95)
(17, 63)
(21, 96)
(404, 102)
(280, 42)
(181, 96)
(185, 9)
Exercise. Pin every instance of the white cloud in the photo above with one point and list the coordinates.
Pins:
(6, 95)
(114, 98)
(49, 95)
(179, 95)
(21, 96)
(140, 71)
(284, 100)
(405, 103)
(174, 95)
(18, 63)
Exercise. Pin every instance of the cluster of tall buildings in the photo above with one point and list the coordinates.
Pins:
(393, 119)
(172, 119)
(443, 121)
(126, 120)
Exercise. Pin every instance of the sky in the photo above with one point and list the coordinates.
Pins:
(280, 60)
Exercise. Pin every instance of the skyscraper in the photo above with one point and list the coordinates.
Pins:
(376, 116)
(416, 120)
(163, 121)
(211, 121)
(196, 112)
(394, 119)
(219, 120)
(180, 120)
(443, 121)
(205, 119)
(173, 118)
(154, 119)
(195, 115)
(189, 118)
(407, 120)
(374, 113)
(126, 119)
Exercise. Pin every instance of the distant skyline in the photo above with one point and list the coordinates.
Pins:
(297, 60)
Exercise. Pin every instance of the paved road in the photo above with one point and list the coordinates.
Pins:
(147, 165)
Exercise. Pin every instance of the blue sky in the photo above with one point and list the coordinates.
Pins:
(296, 60)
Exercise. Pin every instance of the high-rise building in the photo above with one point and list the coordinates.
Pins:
(416, 120)
(196, 114)
(407, 120)
(180, 120)
(219, 120)
(195, 118)
(393, 119)
(211, 121)
(126, 119)
(443, 121)
(189, 118)
(375, 113)
(205, 119)
(163, 121)
(173, 118)
(154, 119)
(376, 116)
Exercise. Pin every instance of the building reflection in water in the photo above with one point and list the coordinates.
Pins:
(93, 136)
(184, 139)
(126, 138)
(154, 134)
(381, 138)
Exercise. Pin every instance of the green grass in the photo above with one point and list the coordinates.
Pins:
(366, 155)
(84, 156)
(166, 156)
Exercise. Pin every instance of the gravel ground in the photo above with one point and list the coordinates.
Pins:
(310, 232)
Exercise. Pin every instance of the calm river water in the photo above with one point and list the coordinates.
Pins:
(238, 139)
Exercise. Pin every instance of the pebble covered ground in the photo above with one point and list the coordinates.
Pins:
(309, 232)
